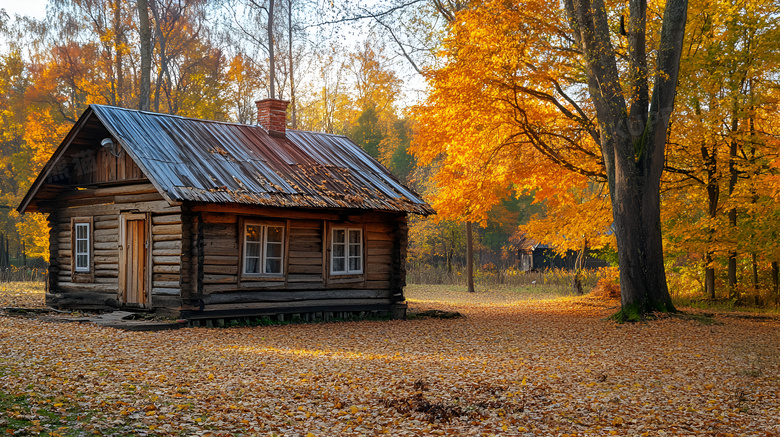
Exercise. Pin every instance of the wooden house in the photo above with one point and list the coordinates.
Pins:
(201, 219)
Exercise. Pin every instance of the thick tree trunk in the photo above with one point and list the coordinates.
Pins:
(579, 263)
(775, 278)
(469, 258)
(145, 34)
(633, 139)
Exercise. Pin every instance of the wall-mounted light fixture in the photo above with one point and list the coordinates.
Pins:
(110, 145)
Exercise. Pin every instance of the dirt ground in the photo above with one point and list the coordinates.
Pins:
(516, 363)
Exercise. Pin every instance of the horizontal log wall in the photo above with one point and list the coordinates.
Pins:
(307, 281)
(105, 206)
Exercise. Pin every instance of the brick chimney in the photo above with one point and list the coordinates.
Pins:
(272, 116)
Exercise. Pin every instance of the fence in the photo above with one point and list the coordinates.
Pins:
(22, 274)
(489, 276)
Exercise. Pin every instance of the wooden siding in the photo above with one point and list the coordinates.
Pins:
(307, 283)
(105, 206)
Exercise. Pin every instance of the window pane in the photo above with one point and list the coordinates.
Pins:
(338, 236)
(354, 250)
(338, 265)
(81, 231)
(338, 250)
(273, 266)
(252, 265)
(354, 236)
(253, 233)
(273, 250)
(275, 234)
(82, 261)
(81, 246)
(253, 250)
(354, 264)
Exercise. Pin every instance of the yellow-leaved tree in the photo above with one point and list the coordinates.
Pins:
(537, 95)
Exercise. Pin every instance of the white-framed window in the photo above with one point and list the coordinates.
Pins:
(81, 247)
(263, 249)
(346, 251)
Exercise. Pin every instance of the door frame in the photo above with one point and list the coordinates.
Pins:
(123, 219)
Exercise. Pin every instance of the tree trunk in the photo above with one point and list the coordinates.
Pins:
(145, 33)
(271, 63)
(713, 196)
(775, 278)
(732, 271)
(469, 258)
(579, 263)
(633, 139)
(120, 76)
(294, 123)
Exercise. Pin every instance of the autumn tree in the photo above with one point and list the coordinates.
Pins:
(515, 86)
(722, 136)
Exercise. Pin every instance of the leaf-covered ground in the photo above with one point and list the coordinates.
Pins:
(515, 364)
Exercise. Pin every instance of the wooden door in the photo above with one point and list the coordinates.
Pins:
(134, 280)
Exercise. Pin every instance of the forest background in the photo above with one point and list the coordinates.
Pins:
(361, 71)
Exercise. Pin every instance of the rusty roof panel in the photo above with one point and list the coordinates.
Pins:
(214, 162)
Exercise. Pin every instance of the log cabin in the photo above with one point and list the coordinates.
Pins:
(204, 220)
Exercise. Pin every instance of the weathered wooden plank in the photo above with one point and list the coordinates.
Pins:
(161, 207)
(168, 219)
(221, 259)
(346, 303)
(132, 198)
(379, 268)
(105, 232)
(110, 245)
(379, 236)
(164, 291)
(371, 245)
(167, 230)
(313, 269)
(304, 278)
(379, 285)
(106, 252)
(284, 296)
(106, 224)
(159, 260)
(218, 288)
(172, 268)
(266, 212)
(106, 273)
(103, 259)
(165, 277)
(302, 261)
(167, 252)
(107, 237)
(377, 276)
(78, 286)
(166, 237)
(112, 191)
(345, 279)
(165, 284)
(220, 279)
(220, 269)
(167, 245)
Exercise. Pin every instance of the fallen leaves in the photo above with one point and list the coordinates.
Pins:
(509, 366)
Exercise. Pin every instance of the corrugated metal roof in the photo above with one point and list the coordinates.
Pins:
(208, 161)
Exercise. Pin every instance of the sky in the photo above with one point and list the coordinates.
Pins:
(34, 8)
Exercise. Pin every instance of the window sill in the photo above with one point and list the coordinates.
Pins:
(260, 278)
